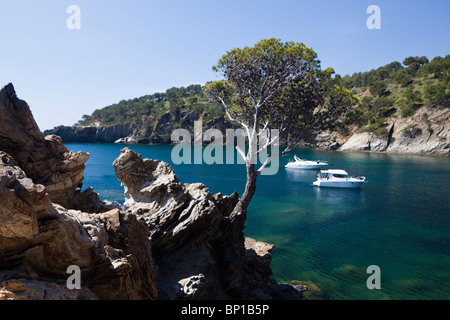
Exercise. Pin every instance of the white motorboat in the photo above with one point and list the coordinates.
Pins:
(338, 179)
(306, 164)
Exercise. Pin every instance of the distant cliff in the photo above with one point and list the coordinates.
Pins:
(427, 132)
(92, 134)
(155, 130)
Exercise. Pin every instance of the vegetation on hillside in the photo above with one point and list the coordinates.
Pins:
(174, 100)
(394, 90)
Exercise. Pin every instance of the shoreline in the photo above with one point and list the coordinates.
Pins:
(311, 147)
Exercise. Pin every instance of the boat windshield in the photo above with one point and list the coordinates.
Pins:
(327, 175)
(342, 176)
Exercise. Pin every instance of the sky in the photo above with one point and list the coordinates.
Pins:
(127, 49)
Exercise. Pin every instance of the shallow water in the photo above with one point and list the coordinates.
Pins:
(399, 220)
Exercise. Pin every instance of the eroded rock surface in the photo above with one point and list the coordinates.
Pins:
(198, 256)
(427, 132)
(45, 160)
(40, 240)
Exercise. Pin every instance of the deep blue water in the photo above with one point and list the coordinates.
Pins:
(399, 221)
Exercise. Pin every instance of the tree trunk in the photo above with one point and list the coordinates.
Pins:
(239, 213)
(229, 248)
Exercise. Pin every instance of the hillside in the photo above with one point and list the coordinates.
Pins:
(414, 95)
(403, 108)
(174, 100)
(397, 90)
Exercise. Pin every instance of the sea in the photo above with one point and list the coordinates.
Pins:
(388, 240)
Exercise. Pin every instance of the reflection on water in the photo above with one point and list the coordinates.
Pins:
(301, 175)
(340, 196)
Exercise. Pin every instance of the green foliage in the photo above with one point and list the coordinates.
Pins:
(402, 87)
(138, 109)
(438, 92)
(419, 60)
(340, 97)
(355, 116)
(377, 128)
(403, 78)
(403, 74)
(378, 88)
(407, 109)
(280, 82)
(412, 96)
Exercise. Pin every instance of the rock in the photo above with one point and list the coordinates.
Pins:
(26, 289)
(40, 240)
(427, 132)
(181, 220)
(93, 134)
(45, 160)
(289, 292)
(148, 129)
(364, 141)
(196, 255)
(23, 204)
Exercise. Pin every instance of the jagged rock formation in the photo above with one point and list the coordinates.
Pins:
(175, 240)
(40, 240)
(197, 256)
(44, 159)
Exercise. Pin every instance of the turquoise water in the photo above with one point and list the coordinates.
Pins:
(399, 221)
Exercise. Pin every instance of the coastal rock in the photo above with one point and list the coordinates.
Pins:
(126, 140)
(26, 289)
(149, 129)
(427, 132)
(44, 159)
(196, 254)
(364, 141)
(182, 221)
(92, 134)
(39, 240)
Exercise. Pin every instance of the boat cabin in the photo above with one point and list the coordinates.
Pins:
(326, 174)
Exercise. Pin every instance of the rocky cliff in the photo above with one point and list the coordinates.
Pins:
(92, 134)
(39, 240)
(44, 159)
(170, 241)
(154, 130)
(427, 132)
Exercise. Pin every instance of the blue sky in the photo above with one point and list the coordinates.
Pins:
(126, 49)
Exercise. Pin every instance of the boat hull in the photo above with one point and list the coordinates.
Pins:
(305, 166)
(349, 184)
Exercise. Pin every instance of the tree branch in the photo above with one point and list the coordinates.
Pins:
(231, 118)
(241, 153)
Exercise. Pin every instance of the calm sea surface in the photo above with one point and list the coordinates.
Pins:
(399, 221)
